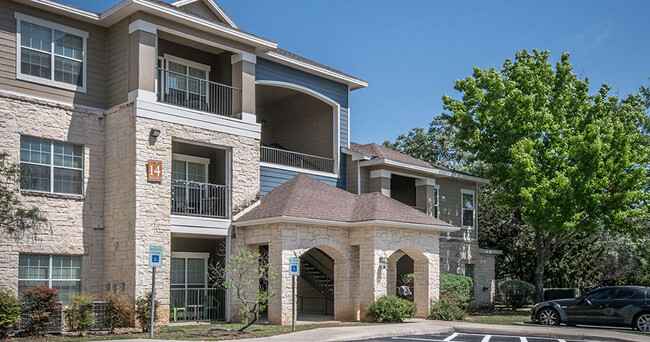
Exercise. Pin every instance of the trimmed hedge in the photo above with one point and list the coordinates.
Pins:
(459, 287)
(9, 312)
(517, 293)
(390, 309)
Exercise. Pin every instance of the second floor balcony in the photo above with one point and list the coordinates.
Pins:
(199, 199)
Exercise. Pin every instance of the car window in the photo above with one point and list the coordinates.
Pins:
(625, 294)
(601, 294)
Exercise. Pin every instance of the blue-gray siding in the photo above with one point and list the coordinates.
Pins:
(271, 178)
(266, 70)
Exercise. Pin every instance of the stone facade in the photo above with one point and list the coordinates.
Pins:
(359, 278)
(75, 222)
(456, 254)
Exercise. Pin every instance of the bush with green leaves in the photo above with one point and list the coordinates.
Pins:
(117, 312)
(447, 308)
(390, 309)
(9, 312)
(407, 279)
(39, 305)
(517, 293)
(79, 314)
(458, 287)
(143, 311)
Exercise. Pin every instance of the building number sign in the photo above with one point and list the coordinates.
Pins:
(154, 171)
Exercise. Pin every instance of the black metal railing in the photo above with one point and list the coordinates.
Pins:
(199, 94)
(196, 304)
(201, 199)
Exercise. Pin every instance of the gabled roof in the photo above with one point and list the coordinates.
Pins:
(305, 199)
(378, 154)
(212, 6)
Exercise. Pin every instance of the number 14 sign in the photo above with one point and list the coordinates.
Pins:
(154, 171)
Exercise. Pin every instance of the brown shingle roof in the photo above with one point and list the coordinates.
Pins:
(380, 152)
(306, 197)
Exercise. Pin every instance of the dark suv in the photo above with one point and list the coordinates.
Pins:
(613, 306)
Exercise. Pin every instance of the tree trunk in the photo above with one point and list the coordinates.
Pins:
(543, 248)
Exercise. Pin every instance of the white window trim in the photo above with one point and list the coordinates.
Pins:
(49, 271)
(192, 159)
(52, 167)
(187, 62)
(462, 211)
(54, 26)
(193, 255)
(437, 204)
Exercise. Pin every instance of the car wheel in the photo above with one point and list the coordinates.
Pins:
(642, 322)
(548, 316)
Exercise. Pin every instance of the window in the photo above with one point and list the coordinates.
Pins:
(50, 53)
(62, 272)
(467, 205)
(469, 271)
(186, 82)
(436, 201)
(189, 270)
(603, 294)
(625, 294)
(51, 166)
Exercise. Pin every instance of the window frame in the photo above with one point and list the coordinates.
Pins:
(52, 167)
(50, 280)
(166, 58)
(462, 209)
(20, 17)
(436, 206)
(191, 255)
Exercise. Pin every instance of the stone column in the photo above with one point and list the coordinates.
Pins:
(380, 182)
(142, 60)
(372, 279)
(425, 192)
(424, 287)
(243, 77)
(355, 291)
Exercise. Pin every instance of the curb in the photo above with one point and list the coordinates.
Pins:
(557, 333)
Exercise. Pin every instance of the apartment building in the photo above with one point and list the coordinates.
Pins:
(165, 124)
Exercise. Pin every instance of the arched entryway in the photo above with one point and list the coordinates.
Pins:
(315, 286)
(406, 261)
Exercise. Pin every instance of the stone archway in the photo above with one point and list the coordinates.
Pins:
(422, 283)
(316, 285)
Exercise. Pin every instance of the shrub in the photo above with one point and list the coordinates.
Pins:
(517, 293)
(447, 308)
(143, 311)
(117, 313)
(9, 312)
(407, 279)
(458, 287)
(390, 309)
(39, 304)
(79, 314)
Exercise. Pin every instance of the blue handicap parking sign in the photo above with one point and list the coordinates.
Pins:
(294, 268)
(155, 259)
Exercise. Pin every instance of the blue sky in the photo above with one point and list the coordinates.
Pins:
(411, 51)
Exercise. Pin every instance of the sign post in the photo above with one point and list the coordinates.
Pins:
(155, 261)
(294, 271)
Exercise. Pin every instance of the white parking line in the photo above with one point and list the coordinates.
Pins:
(523, 339)
(451, 337)
(486, 338)
(416, 339)
(561, 340)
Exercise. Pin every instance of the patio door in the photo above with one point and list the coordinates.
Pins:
(189, 183)
(186, 82)
(189, 284)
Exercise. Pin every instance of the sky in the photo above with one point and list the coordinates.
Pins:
(412, 51)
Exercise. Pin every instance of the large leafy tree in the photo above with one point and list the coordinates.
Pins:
(570, 162)
(15, 217)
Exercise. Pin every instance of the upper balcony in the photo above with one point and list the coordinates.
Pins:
(299, 129)
(197, 79)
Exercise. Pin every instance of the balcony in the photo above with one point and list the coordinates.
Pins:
(197, 93)
(296, 159)
(199, 199)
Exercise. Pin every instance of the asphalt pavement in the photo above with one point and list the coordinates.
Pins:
(460, 337)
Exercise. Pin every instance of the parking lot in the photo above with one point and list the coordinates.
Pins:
(460, 337)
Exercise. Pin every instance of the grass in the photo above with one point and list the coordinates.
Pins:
(224, 331)
(501, 316)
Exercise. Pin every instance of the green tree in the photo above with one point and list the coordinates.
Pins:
(14, 216)
(247, 276)
(569, 161)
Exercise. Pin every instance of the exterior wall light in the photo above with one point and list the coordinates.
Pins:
(383, 263)
(155, 132)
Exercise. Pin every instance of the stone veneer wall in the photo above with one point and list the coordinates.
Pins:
(75, 222)
(153, 199)
(359, 280)
(119, 200)
(454, 255)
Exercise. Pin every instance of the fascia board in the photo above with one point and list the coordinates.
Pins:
(389, 162)
(291, 219)
(355, 155)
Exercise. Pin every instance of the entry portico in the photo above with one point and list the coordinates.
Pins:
(360, 233)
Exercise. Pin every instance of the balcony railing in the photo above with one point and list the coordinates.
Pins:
(200, 199)
(296, 159)
(198, 304)
(199, 94)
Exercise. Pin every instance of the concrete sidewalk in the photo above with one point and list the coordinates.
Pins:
(421, 326)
